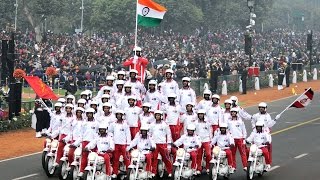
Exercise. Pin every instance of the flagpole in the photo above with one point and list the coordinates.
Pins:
(294, 101)
(136, 30)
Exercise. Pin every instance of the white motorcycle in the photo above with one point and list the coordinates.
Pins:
(75, 165)
(45, 152)
(50, 161)
(219, 164)
(64, 164)
(182, 166)
(95, 169)
(256, 161)
(136, 169)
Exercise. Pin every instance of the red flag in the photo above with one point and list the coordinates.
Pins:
(40, 88)
(304, 100)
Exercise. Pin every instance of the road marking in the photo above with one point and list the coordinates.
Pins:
(295, 126)
(301, 155)
(292, 122)
(18, 157)
(273, 168)
(27, 176)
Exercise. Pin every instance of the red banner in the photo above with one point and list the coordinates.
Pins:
(40, 88)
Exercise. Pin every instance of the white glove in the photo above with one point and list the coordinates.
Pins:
(277, 117)
(244, 141)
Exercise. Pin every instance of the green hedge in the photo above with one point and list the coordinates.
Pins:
(18, 122)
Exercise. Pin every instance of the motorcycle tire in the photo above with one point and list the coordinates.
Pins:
(130, 172)
(173, 173)
(248, 171)
(61, 164)
(43, 159)
(87, 176)
(46, 169)
(211, 177)
(73, 174)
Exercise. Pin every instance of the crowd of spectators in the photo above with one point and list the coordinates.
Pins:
(93, 57)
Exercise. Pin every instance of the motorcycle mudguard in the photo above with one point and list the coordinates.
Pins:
(46, 149)
(251, 159)
(131, 166)
(50, 154)
(213, 161)
(74, 163)
(64, 159)
(88, 168)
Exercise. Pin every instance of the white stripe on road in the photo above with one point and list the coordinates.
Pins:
(301, 155)
(273, 168)
(24, 177)
(20, 157)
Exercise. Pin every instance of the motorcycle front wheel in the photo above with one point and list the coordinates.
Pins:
(160, 169)
(73, 174)
(175, 173)
(63, 172)
(250, 171)
(213, 174)
(87, 175)
(49, 166)
(43, 159)
(131, 174)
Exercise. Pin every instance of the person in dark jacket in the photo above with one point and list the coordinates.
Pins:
(70, 85)
(287, 73)
(214, 74)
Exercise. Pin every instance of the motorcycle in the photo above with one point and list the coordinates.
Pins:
(75, 165)
(136, 169)
(50, 167)
(256, 161)
(182, 166)
(161, 167)
(45, 152)
(95, 169)
(219, 164)
(64, 164)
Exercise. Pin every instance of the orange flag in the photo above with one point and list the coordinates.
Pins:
(40, 88)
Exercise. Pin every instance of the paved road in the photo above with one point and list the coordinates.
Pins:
(296, 147)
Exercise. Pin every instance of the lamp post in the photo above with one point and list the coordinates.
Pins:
(82, 8)
(16, 14)
(250, 4)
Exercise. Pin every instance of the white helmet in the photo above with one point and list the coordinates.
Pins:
(133, 71)
(153, 82)
(169, 71)
(262, 104)
(84, 93)
(105, 96)
(119, 111)
(103, 126)
(215, 96)
(81, 101)
(146, 105)
(172, 95)
(90, 110)
(132, 97)
(158, 112)
(69, 105)
(228, 101)
(58, 104)
(62, 100)
(107, 88)
(186, 79)
(234, 98)
(70, 97)
(223, 125)
(234, 110)
(110, 78)
(127, 85)
(191, 127)
(201, 111)
(121, 73)
(137, 48)
(190, 103)
(207, 91)
(259, 123)
(119, 82)
(107, 104)
(144, 127)
(80, 109)
(94, 103)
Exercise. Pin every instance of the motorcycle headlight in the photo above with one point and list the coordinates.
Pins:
(92, 156)
(78, 152)
(134, 153)
(216, 150)
(54, 143)
(253, 148)
(180, 152)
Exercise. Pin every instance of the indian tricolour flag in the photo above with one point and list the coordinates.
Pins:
(150, 13)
